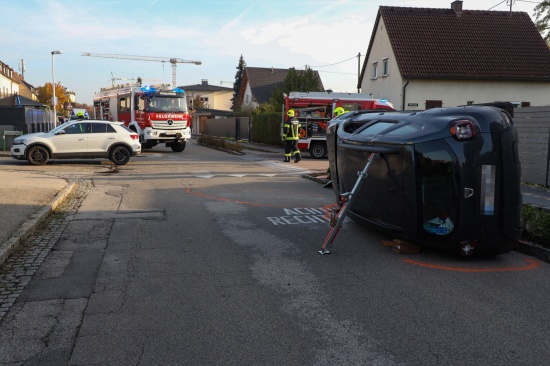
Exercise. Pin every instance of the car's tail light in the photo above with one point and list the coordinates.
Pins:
(463, 130)
(134, 136)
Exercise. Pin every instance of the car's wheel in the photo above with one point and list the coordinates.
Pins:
(318, 150)
(120, 155)
(38, 155)
(177, 146)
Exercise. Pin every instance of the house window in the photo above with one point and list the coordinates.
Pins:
(375, 70)
(385, 69)
(434, 104)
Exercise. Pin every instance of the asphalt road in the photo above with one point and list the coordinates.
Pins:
(207, 258)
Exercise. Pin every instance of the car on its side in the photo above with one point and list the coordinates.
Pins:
(446, 178)
(80, 139)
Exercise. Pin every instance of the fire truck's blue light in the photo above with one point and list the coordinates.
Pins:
(178, 90)
(383, 100)
(148, 89)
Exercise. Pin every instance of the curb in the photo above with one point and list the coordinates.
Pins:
(533, 250)
(27, 229)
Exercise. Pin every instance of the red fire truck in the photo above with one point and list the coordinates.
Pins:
(157, 114)
(315, 109)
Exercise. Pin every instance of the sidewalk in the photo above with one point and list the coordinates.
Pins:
(23, 206)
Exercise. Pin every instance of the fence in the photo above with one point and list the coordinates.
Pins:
(235, 127)
(533, 125)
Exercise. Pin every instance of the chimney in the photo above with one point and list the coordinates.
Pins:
(457, 7)
(204, 82)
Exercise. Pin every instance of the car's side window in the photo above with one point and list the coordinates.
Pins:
(98, 127)
(75, 128)
(102, 128)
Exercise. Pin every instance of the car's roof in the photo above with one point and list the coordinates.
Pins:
(95, 120)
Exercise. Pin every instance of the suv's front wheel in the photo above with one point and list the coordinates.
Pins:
(177, 146)
(120, 155)
(38, 155)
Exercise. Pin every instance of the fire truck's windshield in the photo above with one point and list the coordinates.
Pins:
(166, 104)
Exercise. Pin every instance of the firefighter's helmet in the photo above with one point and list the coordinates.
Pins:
(338, 111)
(291, 113)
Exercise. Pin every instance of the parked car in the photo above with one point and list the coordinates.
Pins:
(79, 139)
(447, 178)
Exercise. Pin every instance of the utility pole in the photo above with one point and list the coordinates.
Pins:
(359, 72)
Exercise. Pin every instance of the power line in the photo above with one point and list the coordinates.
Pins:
(497, 5)
(337, 62)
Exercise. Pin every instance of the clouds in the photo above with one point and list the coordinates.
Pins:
(281, 33)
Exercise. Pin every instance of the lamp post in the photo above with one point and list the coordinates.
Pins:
(54, 101)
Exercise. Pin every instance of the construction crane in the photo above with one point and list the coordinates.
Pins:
(113, 78)
(173, 61)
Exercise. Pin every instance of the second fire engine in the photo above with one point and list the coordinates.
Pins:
(315, 109)
(157, 114)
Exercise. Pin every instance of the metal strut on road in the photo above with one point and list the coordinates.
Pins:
(337, 217)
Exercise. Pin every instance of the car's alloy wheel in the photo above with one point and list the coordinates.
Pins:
(120, 155)
(38, 155)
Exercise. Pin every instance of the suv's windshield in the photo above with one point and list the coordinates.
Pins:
(166, 104)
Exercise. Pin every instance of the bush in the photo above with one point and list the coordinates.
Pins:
(220, 143)
(535, 225)
(266, 128)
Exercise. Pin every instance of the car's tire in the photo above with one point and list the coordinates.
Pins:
(120, 155)
(318, 150)
(38, 155)
(177, 146)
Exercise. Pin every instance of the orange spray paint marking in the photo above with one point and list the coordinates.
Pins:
(531, 264)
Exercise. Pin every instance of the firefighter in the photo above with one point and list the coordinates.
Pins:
(80, 115)
(291, 134)
(338, 111)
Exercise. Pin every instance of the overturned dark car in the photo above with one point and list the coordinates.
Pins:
(446, 178)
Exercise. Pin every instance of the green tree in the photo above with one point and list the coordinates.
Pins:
(236, 102)
(44, 95)
(296, 81)
(542, 19)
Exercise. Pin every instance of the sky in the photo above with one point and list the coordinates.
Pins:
(328, 36)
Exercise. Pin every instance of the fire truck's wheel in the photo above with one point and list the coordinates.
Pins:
(119, 155)
(177, 146)
(38, 155)
(318, 150)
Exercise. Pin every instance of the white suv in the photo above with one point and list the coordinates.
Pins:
(79, 139)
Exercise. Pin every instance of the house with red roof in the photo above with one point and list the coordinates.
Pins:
(421, 58)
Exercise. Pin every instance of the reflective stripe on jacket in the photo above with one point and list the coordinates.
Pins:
(291, 129)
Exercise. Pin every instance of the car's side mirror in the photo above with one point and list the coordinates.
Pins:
(62, 132)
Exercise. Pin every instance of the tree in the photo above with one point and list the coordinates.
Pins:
(300, 81)
(198, 102)
(236, 101)
(44, 94)
(542, 16)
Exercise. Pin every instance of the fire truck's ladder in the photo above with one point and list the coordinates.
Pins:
(337, 216)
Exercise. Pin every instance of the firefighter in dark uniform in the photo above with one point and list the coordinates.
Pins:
(291, 134)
